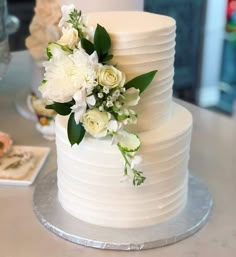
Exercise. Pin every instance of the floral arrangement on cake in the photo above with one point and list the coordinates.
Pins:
(81, 82)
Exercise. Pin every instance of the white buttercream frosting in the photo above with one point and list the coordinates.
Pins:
(91, 185)
(90, 176)
(142, 42)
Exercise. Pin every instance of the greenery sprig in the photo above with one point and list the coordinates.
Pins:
(138, 177)
(76, 21)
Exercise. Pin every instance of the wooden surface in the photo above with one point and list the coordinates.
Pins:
(213, 159)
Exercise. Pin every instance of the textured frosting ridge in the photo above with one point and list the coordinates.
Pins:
(139, 48)
(90, 176)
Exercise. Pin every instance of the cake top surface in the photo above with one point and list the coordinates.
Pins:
(127, 22)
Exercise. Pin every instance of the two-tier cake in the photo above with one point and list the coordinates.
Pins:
(91, 186)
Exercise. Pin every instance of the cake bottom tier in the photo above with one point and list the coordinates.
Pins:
(92, 188)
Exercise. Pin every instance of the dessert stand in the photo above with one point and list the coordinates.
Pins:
(57, 220)
(22, 105)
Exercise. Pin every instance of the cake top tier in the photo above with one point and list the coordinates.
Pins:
(132, 22)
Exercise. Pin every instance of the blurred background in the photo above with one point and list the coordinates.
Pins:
(205, 65)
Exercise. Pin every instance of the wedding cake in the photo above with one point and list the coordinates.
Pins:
(91, 185)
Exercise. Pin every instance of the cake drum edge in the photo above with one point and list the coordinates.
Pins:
(192, 218)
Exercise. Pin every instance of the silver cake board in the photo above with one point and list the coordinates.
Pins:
(57, 220)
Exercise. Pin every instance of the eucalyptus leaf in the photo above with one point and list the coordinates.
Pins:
(141, 82)
(87, 45)
(75, 131)
(102, 42)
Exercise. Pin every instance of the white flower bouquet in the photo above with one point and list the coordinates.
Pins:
(80, 81)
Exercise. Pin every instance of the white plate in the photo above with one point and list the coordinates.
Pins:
(41, 154)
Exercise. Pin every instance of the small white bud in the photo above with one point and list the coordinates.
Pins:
(132, 112)
(125, 122)
(117, 104)
(116, 93)
(101, 108)
(126, 111)
(133, 120)
(105, 90)
(113, 99)
(109, 104)
(100, 95)
(122, 90)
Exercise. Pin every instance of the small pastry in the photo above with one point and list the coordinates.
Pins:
(17, 164)
(5, 143)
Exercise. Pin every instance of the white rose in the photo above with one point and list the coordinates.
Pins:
(110, 77)
(95, 122)
(70, 38)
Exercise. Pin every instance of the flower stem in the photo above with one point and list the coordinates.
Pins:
(127, 164)
(138, 178)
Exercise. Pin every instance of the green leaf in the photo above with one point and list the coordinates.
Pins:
(61, 108)
(49, 54)
(141, 82)
(138, 178)
(49, 107)
(121, 117)
(107, 58)
(87, 45)
(75, 131)
(102, 42)
(75, 20)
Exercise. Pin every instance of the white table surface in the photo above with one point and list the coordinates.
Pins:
(213, 159)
